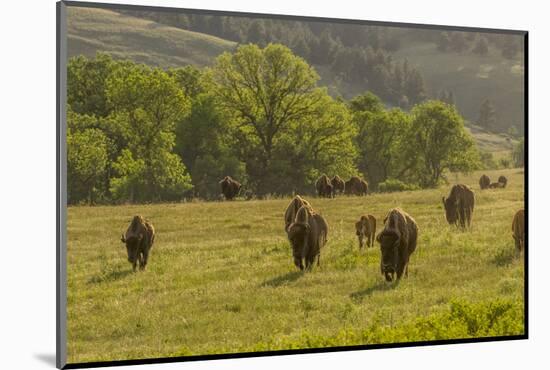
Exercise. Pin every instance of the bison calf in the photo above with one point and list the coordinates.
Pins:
(365, 228)
(503, 180)
(139, 239)
(307, 234)
(518, 230)
(397, 243)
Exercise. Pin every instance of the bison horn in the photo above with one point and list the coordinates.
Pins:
(123, 239)
(443, 200)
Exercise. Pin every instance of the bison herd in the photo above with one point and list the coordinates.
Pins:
(307, 230)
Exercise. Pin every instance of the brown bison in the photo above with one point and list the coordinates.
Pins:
(503, 180)
(230, 188)
(397, 243)
(307, 234)
(365, 228)
(139, 239)
(338, 185)
(459, 206)
(484, 182)
(518, 230)
(496, 185)
(295, 204)
(356, 186)
(323, 187)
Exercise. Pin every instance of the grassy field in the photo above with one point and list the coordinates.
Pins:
(221, 278)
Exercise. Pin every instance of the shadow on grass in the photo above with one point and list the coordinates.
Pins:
(110, 276)
(505, 257)
(283, 279)
(380, 286)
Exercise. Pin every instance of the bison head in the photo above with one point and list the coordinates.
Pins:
(132, 244)
(298, 235)
(389, 246)
(450, 210)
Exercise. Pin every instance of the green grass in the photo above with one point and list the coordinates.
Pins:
(143, 41)
(221, 278)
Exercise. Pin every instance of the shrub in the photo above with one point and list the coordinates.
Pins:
(391, 185)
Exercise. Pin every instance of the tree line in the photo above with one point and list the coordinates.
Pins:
(139, 134)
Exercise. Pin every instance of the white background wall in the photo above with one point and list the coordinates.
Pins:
(27, 182)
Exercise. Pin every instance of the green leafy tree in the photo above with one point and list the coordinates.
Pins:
(269, 95)
(86, 84)
(379, 138)
(437, 142)
(86, 163)
(149, 102)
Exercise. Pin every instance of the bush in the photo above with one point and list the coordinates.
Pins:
(391, 185)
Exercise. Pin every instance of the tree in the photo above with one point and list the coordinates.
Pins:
(482, 46)
(86, 163)
(379, 139)
(443, 41)
(518, 154)
(148, 102)
(86, 84)
(269, 95)
(437, 142)
(487, 115)
(414, 87)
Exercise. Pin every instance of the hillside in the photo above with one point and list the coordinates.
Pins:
(125, 37)
(472, 78)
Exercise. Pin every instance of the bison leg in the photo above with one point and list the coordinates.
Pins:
(461, 217)
(319, 260)
(134, 265)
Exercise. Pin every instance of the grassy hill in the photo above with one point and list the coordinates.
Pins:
(125, 37)
(221, 278)
(472, 79)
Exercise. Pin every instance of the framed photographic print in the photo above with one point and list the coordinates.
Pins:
(235, 185)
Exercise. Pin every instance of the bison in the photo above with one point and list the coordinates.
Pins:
(307, 234)
(139, 239)
(365, 228)
(503, 180)
(484, 182)
(356, 186)
(496, 185)
(459, 206)
(338, 185)
(397, 243)
(323, 187)
(230, 188)
(518, 230)
(292, 210)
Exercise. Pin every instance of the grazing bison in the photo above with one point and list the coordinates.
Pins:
(365, 228)
(139, 239)
(295, 204)
(307, 234)
(459, 206)
(338, 185)
(496, 185)
(323, 187)
(518, 230)
(397, 243)
(503, 180)
(484, 182)
(356, 186)
(230, 188)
